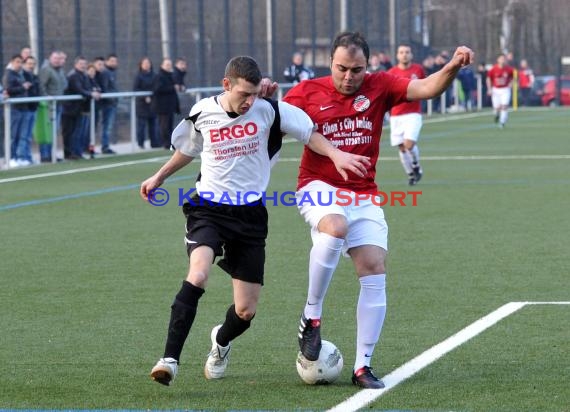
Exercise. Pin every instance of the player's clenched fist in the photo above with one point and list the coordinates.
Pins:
(463, 56)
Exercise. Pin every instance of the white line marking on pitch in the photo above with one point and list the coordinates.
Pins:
(285, 159)
(84, 169)
(367, 396)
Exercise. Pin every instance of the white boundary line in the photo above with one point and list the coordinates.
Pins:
(83, 169)
(367, 396)
(285, 159)
(444, 118)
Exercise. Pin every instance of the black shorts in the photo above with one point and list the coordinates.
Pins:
(237, 233)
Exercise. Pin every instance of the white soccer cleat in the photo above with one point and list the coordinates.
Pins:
(218, 357)
(164, 371)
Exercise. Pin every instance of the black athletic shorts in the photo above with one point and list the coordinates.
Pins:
(237, 233)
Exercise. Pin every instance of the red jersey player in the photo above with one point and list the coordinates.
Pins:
(526, 81)
(406, 118)
(348, 108)
(499, 80)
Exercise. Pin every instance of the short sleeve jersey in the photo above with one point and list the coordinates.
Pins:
(237, 150)
(351, 123)
(415, 71)
(500, 76)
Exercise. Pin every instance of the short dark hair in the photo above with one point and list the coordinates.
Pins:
(350, 40)
(243, 67)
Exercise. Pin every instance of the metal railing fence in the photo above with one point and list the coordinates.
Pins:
(196, 93)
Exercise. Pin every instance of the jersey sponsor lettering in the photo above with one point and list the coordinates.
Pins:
(235, 150)
(353, 124)
(234, 132)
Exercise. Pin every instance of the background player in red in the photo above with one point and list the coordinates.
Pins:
(526, 81)
(499, 80)
(349, 107)
(406, 118)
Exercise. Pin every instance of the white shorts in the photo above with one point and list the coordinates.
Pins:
(405, 127)
(500, 96)
(366, 223)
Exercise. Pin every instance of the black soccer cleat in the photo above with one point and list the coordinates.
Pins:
(310, 337)
(411, 179)
(364, 378)
(417, 173)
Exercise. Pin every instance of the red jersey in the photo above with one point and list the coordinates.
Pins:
(351, 123)
(415, 71)
(526, 78)
(500, 76)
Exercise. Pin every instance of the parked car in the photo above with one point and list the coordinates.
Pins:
(549, 92)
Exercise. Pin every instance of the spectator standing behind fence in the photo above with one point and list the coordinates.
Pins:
(526, 81)
(482, 72)
(146, 117)
(178, 73)
(30, 109)
(108, 82)
(52, 82)
(86, 135)
(385, 60)
(374, 64)
(15, 85)
(72, 118)
(297, 71)
(165, 101)
(466, 77)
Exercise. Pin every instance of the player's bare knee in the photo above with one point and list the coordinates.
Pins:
(409, 144)
(334, 225)
(246, 314)
(366, 269)
(197, 278)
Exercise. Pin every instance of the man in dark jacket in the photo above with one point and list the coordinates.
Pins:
(146, 117)
(71, 126)
(29, 109)
(165, 101)
(108, 82)
(179, 73)
(297, 71)
(15, 85)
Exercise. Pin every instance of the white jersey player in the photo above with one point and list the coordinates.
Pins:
(236, 134)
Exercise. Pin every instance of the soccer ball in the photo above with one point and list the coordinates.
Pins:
(324, 370)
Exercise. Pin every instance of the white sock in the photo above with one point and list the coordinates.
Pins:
(323, 260)
(406, 160)
(415, 152)
(503, 116)
(370, 313)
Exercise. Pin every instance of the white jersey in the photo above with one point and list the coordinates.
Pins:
(237, 152)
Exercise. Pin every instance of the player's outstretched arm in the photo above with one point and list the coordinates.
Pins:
(343, 161)
(435, 84)
(175, 163)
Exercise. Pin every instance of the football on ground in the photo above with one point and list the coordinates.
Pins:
(326, 369)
